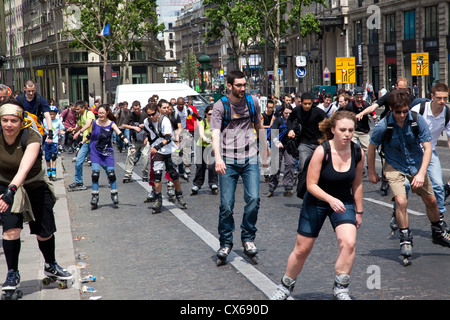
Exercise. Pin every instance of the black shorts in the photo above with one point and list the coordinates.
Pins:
(42, 204)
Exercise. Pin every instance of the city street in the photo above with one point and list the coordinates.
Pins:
(171, 255)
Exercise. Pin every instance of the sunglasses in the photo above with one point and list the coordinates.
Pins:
(209, 114)
(151, 114)
(400, 112)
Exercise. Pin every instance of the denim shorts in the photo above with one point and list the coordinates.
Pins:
(314, 213)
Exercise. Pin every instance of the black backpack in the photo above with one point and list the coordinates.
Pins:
(301, 187)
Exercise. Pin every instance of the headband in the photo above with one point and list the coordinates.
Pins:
(11, 109)
(15, 110)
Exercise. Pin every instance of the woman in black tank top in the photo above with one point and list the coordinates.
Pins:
(334, 183)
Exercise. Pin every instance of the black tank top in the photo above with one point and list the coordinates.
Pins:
(338, 184)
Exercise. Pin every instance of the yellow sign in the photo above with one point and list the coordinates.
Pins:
(40, 73)
(345, 70)
(419, 64)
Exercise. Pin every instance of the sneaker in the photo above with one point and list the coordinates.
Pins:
(223, 252)
(54, 270)
(249, 247)
(184, 176)
(288, 193)
(12, 280)
(76, 185)
(447, 190)
(194, 190)
(269, 194)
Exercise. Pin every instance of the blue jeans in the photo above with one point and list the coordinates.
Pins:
(434, 171)
(248, 169)
(81, 156)
(96, 167)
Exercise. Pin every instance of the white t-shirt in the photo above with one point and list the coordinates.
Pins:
(435, 124)
(166, 128)
(328, 110)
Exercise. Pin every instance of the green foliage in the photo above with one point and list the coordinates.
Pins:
(189, 67)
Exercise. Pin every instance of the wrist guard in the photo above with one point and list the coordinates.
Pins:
(8, 196)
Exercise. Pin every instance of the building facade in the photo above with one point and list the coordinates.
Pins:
(36, 49)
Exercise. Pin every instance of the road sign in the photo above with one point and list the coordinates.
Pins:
(300, 72)
(345, 70)
(419, 64)
(326, 74)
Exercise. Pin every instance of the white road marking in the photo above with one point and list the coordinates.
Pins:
(255, 276)
(389, 205)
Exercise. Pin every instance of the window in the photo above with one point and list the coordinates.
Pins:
(358, 32)
(390, 28)
(431, 22)
(410, 24)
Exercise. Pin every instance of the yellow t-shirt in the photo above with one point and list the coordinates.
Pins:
(83, 119)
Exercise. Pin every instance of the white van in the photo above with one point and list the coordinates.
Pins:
(167, 91)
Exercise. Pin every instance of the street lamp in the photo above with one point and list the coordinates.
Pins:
(265, 16)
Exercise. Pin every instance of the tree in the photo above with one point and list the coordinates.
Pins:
(129, 22)
(189, 67)
(241, 20)
(231, 22)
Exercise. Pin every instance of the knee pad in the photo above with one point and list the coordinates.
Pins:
(54, 156)
(171, 169)
(95, 175)
(158, 175)
(111, 175)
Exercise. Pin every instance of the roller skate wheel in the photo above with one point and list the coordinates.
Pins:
(406, 262)
(221, 262)
(62, 285)
(47, 281)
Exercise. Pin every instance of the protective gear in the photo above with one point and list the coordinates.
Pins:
(111, 176)
(54, 108)
(158, 175)
(95, 175)
(54, 156)
(8, 196)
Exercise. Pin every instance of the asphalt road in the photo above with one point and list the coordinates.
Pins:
(171, 256)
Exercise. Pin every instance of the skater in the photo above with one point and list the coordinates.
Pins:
(204, 151)
(436, 114)
(334, 189)
(162, 148)
(102, 153)
(135, 123)
(239, 158)
(51, 148)
(407, 155)
(283, 142)
(69, 119)
(35, 104)
(85, 120)
(23, 177)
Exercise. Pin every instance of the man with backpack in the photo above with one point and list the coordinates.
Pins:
(135, 123)
(37, 105)
(408, 151)
(436, 114)
(235, 118)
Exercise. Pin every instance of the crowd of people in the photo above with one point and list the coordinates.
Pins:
(329, 141)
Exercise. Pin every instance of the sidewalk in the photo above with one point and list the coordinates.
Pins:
(31, 262)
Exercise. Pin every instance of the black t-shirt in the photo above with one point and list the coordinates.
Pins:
(309, 120)
(266, 119)
(363, 124)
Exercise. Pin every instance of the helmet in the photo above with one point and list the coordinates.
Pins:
(54, 108)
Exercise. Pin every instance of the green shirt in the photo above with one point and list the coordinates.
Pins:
(83, 120)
